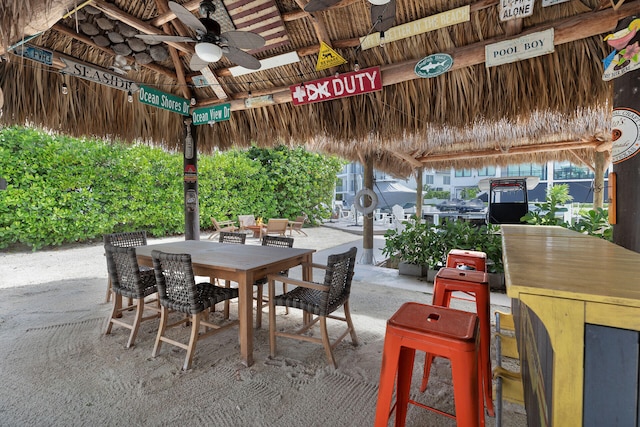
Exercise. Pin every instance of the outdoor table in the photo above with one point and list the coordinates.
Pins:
(244, 264)
(576, 303)
(256, 229)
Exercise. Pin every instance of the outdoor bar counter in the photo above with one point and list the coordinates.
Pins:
(576, 303)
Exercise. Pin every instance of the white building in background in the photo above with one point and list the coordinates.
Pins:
(578, 177)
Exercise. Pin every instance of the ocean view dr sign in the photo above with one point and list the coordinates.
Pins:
(525, 47)
(342, 86)
(215, 113)
(166, 101)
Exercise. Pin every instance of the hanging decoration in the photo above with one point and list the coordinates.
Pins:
(328, 58)
(625, 56)
(344, 85)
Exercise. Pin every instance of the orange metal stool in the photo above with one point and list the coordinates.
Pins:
(437, 330)
(476, 283)
(464, 257)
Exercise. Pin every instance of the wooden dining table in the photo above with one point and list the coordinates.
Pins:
(243, 264)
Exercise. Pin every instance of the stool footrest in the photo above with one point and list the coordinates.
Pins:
(431, 408)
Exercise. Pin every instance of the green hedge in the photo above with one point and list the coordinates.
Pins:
(63, 189)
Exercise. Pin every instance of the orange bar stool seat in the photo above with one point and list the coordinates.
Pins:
(476, 283)
(442, 331)
(460, 258)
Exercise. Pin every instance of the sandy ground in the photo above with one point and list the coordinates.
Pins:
(58, 368)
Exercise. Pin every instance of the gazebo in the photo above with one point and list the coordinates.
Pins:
(397, 85)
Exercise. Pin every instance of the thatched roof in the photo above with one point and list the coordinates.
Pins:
(554, 106)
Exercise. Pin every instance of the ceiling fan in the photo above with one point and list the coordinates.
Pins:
(211, 44)
(383, 12)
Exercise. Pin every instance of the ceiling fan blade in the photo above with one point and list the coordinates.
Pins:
(243, 39)
(241, 58)
(187, 17)
(384, 16)
(319, 5)
(160, 38)
(197, 63)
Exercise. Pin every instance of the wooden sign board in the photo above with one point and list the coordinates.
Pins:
(512, 9)
(525, 47)
(96, 75)
(420, 26)
(342, 86)
(547, 3)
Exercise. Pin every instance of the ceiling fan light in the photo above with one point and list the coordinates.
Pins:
(209, 52)
(379, 2)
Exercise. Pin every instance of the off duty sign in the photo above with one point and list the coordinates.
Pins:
(343, 85)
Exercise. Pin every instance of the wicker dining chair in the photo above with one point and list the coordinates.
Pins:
(235, 239)
(178, 291)
(125, 240)
(319, 300)
(261, 302)
(128, 280)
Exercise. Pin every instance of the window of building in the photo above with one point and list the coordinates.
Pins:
(463, 173)
(487, 171)
(446, 180)
(527, 169)
(428, 179)
(567, 170)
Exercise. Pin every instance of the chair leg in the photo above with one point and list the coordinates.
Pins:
(136, 322)
(117, 305)
(284, 291)
(164, 313)
(108, 297)
(227, 284)
(347, 316)
(272, 319)
(259, 305)
(193, 340)
(326, 342)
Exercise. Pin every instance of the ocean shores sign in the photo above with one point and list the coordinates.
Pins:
(342, 86)
(97, 75)
(166, 101)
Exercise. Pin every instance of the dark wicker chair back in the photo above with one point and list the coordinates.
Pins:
(277, 241)
(126, 277)
(177, 287)
(230, 237)
(338, 276)
(126, 240)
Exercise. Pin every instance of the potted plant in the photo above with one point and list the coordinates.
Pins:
(423, 247)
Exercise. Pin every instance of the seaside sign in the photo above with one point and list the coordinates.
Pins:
(96, 75)
(525, 47)
(433, 65)
(340, 86)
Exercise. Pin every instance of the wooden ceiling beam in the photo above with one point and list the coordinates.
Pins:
(527, 149)
(163, 6)
(408, 158)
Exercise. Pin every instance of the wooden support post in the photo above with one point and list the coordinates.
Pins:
(367, 221)
(598, 180)
(626, 159)
(191, 207)
(419, 192)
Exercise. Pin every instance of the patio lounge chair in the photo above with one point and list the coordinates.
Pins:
(219, 226)
(261, 302)
(316, 299)
(297, 225)
(276, 226)
(246, 220)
